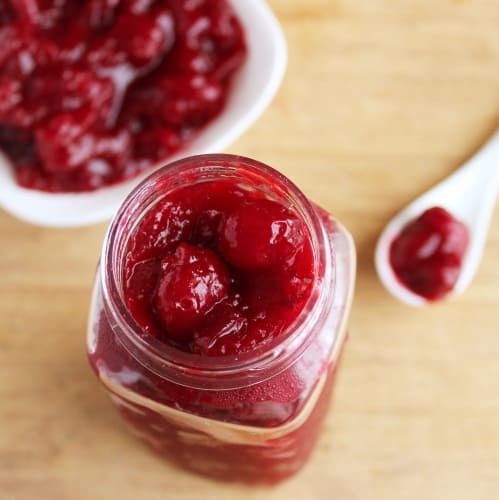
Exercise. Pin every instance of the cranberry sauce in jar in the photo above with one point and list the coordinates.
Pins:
(218, 316)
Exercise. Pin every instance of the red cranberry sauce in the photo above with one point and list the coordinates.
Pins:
(257, 449)
(218, 317)
(215, 269)
(93, 92)
(193, 280)
(427, 255)
(254, 453)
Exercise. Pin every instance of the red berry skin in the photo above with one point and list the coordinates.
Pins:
(43, 14)
(6, 13)
(11, 42)
(163, 229)
(101, 13)
(427, 254)
(74, 89)
(177, 101)
(192, 281)
(223, 334)
(259, 235)
(10, 96)
(85, 88)
(138, 6)
(432, 278)
(18, 144)
(157, 143)
(141, 280)
(63, 144)
(144, 37)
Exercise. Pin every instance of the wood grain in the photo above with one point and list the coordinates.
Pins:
(381, 100)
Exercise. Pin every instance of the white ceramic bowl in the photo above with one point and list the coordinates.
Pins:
(253, 88)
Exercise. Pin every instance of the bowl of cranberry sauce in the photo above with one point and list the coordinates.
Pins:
(96, 94)
(218, 317)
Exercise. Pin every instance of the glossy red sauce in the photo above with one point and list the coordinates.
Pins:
(214, 269)
(93, 92)
(427, 255)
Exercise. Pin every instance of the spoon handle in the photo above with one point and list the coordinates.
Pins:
(486, 160)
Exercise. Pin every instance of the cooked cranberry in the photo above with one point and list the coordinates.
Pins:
(426, 256)
(213, 37)
(143, 37)
(6, 12)
(223, 334)
(64, 143)
(142, 277)
(261, 234)
(192, 281)
(124, 65)
(85, 88)
(101, 13)
(275, 288)
(193, 99)
(10, 96)
(207, 228)
(228, 331)
(19, 144)
(253, 298)
(10, 43)
(266, 326)
(225, 34)
(162, 230)
(156, 143)
(138, 6)
(115, 148)
(175, 101)
(72, 91)
(28, 174)
(39, 13)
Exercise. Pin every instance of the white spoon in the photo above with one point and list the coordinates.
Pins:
(469, 194)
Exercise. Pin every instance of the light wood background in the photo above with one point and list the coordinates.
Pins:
(382, 98)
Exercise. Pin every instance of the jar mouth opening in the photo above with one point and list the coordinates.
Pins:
(159, 355)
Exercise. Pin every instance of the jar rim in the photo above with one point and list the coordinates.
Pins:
(191, 369)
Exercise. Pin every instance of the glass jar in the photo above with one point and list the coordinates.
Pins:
(253, 417)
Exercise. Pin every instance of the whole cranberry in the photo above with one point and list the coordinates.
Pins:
(260, 234)
(144, 37)
(192, 281)
(63, 142)
(223, 334)
(427, 254)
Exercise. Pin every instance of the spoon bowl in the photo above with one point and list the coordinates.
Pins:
(469, 194)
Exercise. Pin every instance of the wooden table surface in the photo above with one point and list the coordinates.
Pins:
(382, 99)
